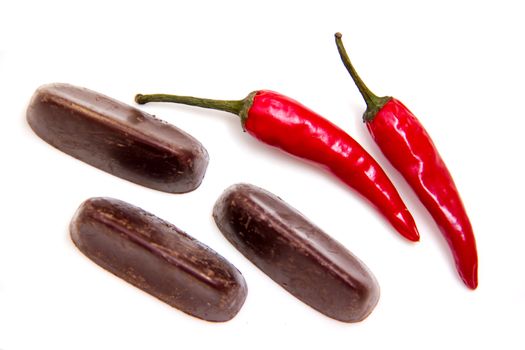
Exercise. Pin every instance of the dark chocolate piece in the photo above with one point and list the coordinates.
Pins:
(117, 138)
(296, 254)
(158, 258)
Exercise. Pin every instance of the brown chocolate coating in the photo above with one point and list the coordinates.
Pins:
(295, 253)
(158, 258)
(117, 138)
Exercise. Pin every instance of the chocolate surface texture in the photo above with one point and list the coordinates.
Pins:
(296, 254)
(117, 138)
(158, 258)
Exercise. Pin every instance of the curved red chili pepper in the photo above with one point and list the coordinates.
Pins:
(407, 145)
(284, 123)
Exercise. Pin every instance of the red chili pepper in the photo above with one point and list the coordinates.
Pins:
(286, 124)
(409, 148)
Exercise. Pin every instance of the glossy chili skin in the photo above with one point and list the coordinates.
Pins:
(284, 123)
(408, 146)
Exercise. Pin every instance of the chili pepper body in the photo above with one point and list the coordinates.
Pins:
(284, 123)
(408, 146)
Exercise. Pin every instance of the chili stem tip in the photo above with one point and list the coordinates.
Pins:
(139, 99)
(338, 35)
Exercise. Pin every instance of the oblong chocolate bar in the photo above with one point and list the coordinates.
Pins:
(117, 138)
(295, 253)
(158, 258)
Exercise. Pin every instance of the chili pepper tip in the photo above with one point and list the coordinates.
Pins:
(469, 274)
(407, 227)
(473, 283)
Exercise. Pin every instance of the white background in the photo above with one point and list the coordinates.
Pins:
(458, 65)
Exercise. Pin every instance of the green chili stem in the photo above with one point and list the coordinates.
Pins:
(373, 102)
(232, 106)
(238, 107)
